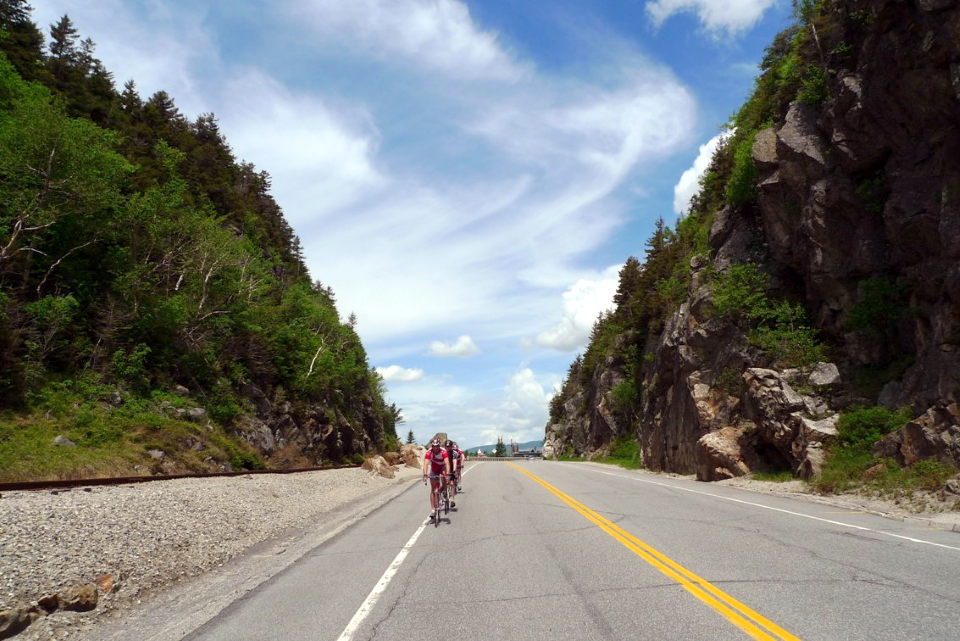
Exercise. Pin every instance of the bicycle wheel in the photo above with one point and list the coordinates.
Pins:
(436, 503)
(446, 499)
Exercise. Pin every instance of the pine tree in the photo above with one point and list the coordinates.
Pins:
(410, 439)
(22, 42)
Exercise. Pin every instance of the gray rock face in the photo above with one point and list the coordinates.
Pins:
(863, 186)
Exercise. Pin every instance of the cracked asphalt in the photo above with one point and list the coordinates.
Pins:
(513, 561)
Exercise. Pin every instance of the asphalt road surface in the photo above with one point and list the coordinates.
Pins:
(546, 550)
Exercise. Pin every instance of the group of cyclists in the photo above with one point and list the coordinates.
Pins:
(443, 465)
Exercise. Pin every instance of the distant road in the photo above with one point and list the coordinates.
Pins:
(546, 550)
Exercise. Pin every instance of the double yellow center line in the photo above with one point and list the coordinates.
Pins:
(755, 625)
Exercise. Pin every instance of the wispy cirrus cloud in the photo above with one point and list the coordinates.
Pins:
(438, 35)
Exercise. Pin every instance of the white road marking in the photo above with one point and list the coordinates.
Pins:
(374, 596)
(777, 509)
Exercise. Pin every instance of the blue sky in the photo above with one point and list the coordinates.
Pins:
(467, 176)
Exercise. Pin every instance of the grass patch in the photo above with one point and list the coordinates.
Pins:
(780, 476)
(625, 452)
(111, 441)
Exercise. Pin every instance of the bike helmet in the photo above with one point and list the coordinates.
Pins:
(435, 443)
(448, 444)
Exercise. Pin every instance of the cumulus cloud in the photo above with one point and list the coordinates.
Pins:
(732, 17)
(397, 374)
(582, 303)
(689, 184)
(525, 403)
(439, 35)
(463, 347)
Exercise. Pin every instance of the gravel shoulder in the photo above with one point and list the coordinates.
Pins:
(938, 509)
(136, 542)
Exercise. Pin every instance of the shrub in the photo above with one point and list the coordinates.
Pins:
(742, 186)
(862, 427)
(625, 452)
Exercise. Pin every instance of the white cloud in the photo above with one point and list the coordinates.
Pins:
(464, 347)
(319, 153)
(717, 16)
(438, 35)
(525, 403)
(397, 374)
(582, 303)
(689, 184)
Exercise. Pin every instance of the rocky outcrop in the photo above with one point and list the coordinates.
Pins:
(934, 435)
(863, 188)
(322, 434)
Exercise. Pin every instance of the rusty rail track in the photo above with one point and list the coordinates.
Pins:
(60, 484)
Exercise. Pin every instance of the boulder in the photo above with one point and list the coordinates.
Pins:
(824, 374)
(723, 458)
(934, 435)
(412, 455)
(378, 466)
(392, 458)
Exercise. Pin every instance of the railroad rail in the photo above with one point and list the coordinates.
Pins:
(59, 484)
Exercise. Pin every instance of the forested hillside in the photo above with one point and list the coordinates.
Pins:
(155, 310)
(803, 317)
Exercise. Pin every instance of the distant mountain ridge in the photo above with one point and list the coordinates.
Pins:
(528, 445)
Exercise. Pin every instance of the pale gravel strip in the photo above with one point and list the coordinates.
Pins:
(154, 534)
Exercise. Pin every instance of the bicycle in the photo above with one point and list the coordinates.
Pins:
(446, 499)
(436, 498)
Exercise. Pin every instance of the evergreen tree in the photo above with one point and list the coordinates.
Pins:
(21, 40)
(410, 439)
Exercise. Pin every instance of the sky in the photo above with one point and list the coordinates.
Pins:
(468, 176)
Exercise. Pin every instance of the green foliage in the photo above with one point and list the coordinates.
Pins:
(134, 248)
(625, 396)
(132, 368)
(246, 460)
(779, 327)
(738, 294)
(223, 406)
(410, 438)
(625, 452)
(813, 86)
(786, 338)
(742, 184)
(862, 427)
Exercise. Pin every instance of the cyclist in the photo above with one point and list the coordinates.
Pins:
(436, 464)
(452, 472)
(458, 458)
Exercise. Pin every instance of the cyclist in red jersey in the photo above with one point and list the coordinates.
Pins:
(436, 465)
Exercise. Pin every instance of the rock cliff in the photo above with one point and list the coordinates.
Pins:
(854, 212)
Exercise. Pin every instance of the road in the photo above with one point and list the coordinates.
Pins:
(549, 550)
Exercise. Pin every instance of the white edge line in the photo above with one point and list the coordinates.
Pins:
(777, 509)
(381, 585)
(374, 596)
